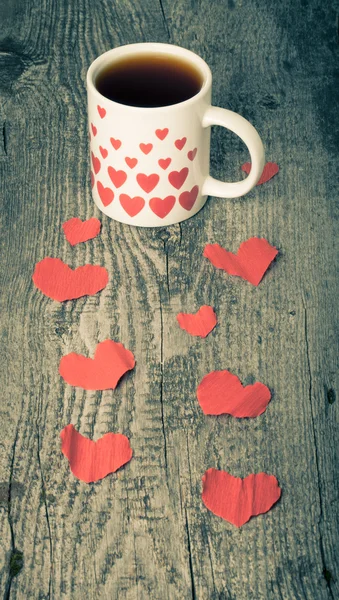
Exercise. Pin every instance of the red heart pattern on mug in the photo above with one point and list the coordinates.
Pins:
(101, 111)
(148, 182)
(162, 206)
(94, 129)
(131, 205)
(187, 199)
(161, 133)
(105, 193)
(118, 178)
(178, 178)
(146, 148)
(131, 162)
(164, 163)
(180, 143)
(92, 180)
(96, 163)
(115, 143)
(192, 154)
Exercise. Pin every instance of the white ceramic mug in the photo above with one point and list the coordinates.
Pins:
(150, 166)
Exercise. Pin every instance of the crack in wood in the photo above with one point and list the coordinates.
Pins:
(4, 140)
(164, 19)
(310, 394)
(47, 515)
(194, 596)
(9, 516)
(162, 386)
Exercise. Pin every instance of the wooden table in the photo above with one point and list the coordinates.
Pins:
(144, 532)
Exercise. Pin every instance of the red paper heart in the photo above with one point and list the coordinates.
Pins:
(237, 500)
(162, 206)
(131, 205)
(115, 143)
(77, 231)
(148, 182)
(251, 262)
(103, 372)
(58, 281)
(192, 154)
(221, 392)
(96, 163)
(164, 162)
(94, 129)
(105, 193)
(161, 133)
(91, 461)
(101, 111)
(270, 169)
(180, 143)
(146, 148)
(187, 199)
(199, 324)
(118, 178)
(178, 178)
(103, 152)
(131, 162)
(92, 180)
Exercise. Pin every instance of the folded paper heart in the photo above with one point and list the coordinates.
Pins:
(103, 372)
(58, 281)
(270, 169)
(221, 392)
(77, 231)
(251, 262)
(91, 461)
(237, 500)
(199, 324)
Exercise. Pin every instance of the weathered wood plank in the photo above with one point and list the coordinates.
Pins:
(144, 532)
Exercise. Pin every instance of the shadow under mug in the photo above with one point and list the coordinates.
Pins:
(150, 166)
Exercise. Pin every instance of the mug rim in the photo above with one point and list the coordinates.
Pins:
(130, 49)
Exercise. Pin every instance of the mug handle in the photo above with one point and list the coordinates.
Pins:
(234, 122)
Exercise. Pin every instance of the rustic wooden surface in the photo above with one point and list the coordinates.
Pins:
(144, 533)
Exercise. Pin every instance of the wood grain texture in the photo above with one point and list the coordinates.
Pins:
(143, 532)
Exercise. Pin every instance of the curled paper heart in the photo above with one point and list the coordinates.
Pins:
(77, 231)
(199, 324)
(237, 500)
(251, 262)
(91, 461)
(103, 372)
(58, 281)
(221, 392)
(270, 169)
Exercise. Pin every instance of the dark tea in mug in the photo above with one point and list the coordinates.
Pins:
(149, 80)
